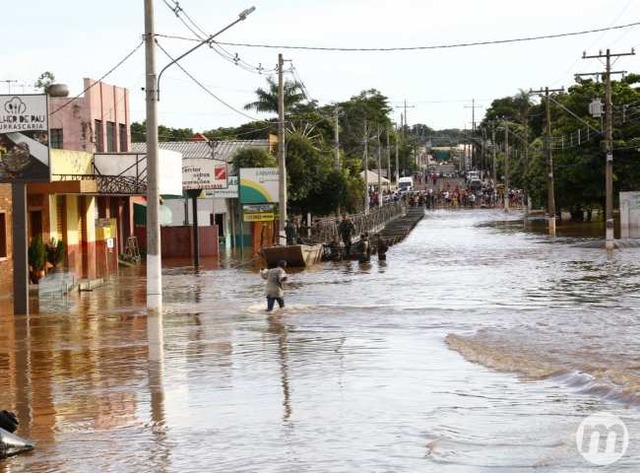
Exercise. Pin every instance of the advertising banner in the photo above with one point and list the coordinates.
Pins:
(204, 174)
(259, 185)
(231, 192)
(258, 212)
(24, 138)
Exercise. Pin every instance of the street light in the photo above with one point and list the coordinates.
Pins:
(241, 17)
(154, 258)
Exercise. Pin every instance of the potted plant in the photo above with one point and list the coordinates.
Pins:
(55, 253)
(37, 257)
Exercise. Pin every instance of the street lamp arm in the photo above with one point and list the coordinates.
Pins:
(241, 17)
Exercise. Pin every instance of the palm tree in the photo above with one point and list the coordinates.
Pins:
(268, 100)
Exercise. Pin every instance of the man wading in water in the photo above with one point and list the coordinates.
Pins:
(274, 291)
(346, 229)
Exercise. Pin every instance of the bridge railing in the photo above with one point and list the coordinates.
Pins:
(324, 230)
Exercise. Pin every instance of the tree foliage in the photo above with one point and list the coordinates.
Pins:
(252, 158)
(44, 81)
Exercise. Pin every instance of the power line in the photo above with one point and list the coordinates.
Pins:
(70, 101)
(203, 87)
(441, 46)
(200, 35)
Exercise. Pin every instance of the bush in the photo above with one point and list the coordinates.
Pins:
(37, 253)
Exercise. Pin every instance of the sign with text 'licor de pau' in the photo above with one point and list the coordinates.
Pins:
(259, 185)
(24, 138)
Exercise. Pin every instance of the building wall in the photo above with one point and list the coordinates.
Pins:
(6, 263)
(77, 116)
(107, 103)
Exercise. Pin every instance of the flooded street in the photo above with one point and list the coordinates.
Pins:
(479, 347)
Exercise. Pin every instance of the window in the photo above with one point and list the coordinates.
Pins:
(123, 138)
(3, 235)
(99, 136)
(55, 138)
(111, 137)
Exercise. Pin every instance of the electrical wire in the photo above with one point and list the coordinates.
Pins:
(203, 87)
(201, 35)
(70, 101)
(440, 46)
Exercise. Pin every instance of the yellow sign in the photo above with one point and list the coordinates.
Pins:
(259, 216)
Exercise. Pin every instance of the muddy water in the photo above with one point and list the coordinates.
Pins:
(480, 346)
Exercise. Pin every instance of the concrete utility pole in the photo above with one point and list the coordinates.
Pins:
(609, 222)
(282, 165)
(404, 125)
(388, 161)
(336, 143)
(152, 90)
(397, 156)
(494, 150)
(154, 258)
(379, 169)
(506, 165)
(473, 130)
(551, 204)
(365, 165)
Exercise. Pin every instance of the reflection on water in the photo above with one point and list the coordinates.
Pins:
(479, 345)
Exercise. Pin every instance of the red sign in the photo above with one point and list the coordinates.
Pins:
(220, 172)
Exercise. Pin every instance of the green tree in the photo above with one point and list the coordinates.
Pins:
(139, 132)
(252, 158)
(44, 81)
(267, 101)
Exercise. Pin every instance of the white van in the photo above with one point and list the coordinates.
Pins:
(405, 184)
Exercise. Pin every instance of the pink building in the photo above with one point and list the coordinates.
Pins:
(96, 122)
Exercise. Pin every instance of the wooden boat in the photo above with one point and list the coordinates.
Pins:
(296, 256)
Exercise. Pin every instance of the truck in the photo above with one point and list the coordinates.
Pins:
(405, 184)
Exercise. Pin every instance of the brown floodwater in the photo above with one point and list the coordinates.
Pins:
(479, 346)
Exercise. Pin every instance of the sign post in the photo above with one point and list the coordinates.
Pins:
(24, 157)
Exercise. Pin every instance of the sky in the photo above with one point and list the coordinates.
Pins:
(442, 86)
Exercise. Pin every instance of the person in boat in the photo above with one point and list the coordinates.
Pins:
(274, 290)
(346, 230)
(381, 248)
(290, 232)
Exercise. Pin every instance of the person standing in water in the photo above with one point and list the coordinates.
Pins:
(274, 288)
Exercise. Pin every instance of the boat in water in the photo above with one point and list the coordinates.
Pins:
(296, 256)
(11, 444)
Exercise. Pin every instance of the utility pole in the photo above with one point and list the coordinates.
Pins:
(154, 258)
(506, 165)
(473, 130)
(379, 169)
(551, 204)
(9, 82)
(282, 166)
(403, 123)
(388, 161)
(336, 143)
(397, 156)
(609, 222)
(494, 149)
(366, 167)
